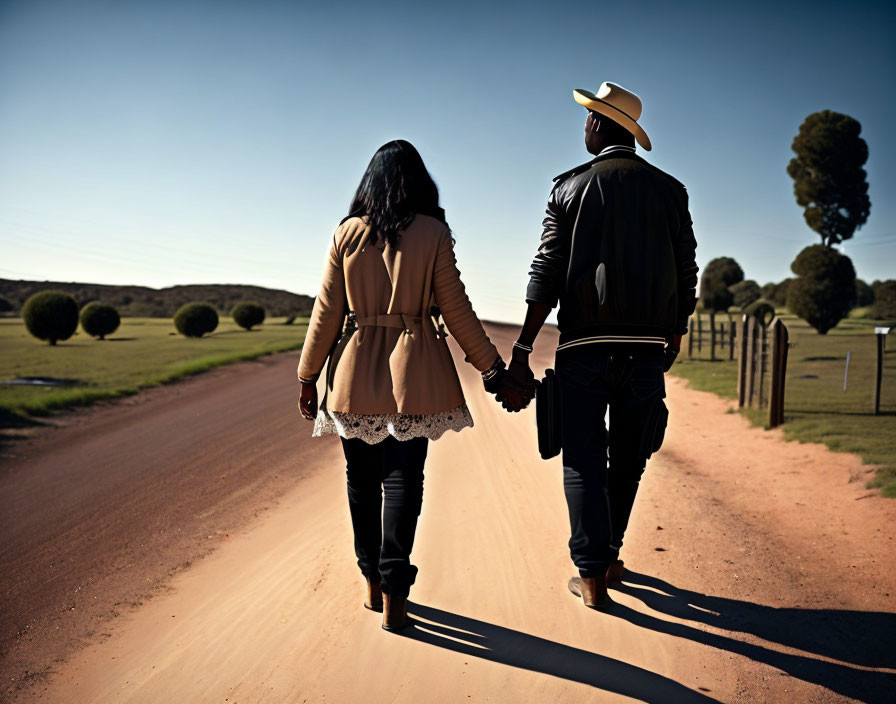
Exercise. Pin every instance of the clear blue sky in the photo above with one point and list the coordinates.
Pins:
(165, 143)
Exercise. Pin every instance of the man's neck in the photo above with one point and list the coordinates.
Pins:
(617, 145)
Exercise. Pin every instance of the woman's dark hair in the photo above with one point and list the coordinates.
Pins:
(395, 187)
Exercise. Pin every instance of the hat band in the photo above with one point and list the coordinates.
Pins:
(610, 105)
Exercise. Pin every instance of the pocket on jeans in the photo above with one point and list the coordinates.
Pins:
(647, 380)
(654, 429)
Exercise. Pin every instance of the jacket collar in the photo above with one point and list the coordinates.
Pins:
(611, 152)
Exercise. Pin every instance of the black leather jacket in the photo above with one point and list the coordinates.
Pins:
(617, 252)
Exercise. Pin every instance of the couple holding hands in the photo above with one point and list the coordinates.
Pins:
(616, 254)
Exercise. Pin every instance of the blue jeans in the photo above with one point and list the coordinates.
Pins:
(629, 380)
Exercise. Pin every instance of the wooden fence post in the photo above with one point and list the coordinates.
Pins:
(742, 361)
(699, 333)
(761, 362)
(732, 335)
(712, 336)
(780, 338)
(750, 356)
(881, 334)
(691, 338)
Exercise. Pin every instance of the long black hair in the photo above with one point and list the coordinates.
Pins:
(395, 187)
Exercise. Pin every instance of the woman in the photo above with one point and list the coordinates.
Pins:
(391, 382)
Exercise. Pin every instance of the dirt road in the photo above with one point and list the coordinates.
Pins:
(761, 571)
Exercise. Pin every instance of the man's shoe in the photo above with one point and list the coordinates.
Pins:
(614, 572)
(374, 600)
(395, 614)
(592, 590)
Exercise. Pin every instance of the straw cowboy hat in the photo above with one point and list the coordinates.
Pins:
(618, 104)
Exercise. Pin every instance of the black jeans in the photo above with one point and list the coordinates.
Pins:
(630, 381)
(384, 535)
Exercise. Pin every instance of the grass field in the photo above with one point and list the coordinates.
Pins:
(816, 408)
(143, 352)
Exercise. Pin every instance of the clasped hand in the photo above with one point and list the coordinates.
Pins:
(516, 387)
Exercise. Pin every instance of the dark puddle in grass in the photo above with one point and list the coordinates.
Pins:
(41, 381)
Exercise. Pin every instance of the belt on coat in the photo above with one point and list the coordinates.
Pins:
(389, 320)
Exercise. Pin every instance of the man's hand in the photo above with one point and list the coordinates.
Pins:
(512, 395)
(519, 387)
(308, 400)
(673, 347)
(520, 371)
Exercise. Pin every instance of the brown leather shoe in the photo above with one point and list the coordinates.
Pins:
(614, 572)
(374, 600)
(592, 590)
(395, 613)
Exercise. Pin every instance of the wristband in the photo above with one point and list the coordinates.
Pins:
(520, 346)
(493, 370)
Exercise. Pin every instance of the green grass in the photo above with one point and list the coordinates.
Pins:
(143, 352)
(816, 408)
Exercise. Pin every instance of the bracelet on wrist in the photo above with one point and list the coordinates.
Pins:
(494, 369)
(520, 346)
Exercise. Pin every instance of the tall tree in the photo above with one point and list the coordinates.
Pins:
(828, 178)
(720, 274)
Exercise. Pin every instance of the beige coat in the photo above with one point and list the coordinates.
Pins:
(395, 361)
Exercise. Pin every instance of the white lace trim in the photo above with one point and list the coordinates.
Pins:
(376, 427)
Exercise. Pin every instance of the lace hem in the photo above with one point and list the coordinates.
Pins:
(376, 427)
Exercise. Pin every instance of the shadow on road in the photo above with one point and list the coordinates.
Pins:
(864, 639)
(508, 647)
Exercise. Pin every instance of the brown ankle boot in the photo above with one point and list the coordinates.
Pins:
(614, 572)
(593, 591)
(374, 600)
(395, 613)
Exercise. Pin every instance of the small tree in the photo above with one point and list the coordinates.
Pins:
(828, 178)
(248, 314)
(195, 319)
(864, 294)
(51, 316)
(824, 289)
(718, 276)
(745, 292)
(884, 307)
(99, 319)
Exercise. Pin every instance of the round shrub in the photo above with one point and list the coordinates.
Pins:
(51, 316)
(99, 319)
(195, 319)
(824, 289)
(718, 276)
(248, 314)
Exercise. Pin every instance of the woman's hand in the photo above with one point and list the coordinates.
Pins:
(308, 400)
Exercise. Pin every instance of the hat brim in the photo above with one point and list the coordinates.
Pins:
(589, 100)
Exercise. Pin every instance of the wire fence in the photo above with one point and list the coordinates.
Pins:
(832, 373)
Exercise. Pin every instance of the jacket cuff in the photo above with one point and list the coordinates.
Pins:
(537, 292)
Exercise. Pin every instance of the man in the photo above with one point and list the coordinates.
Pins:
(617, 254)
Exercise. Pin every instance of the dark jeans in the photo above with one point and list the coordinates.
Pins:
(384, 534)
(630, 381)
